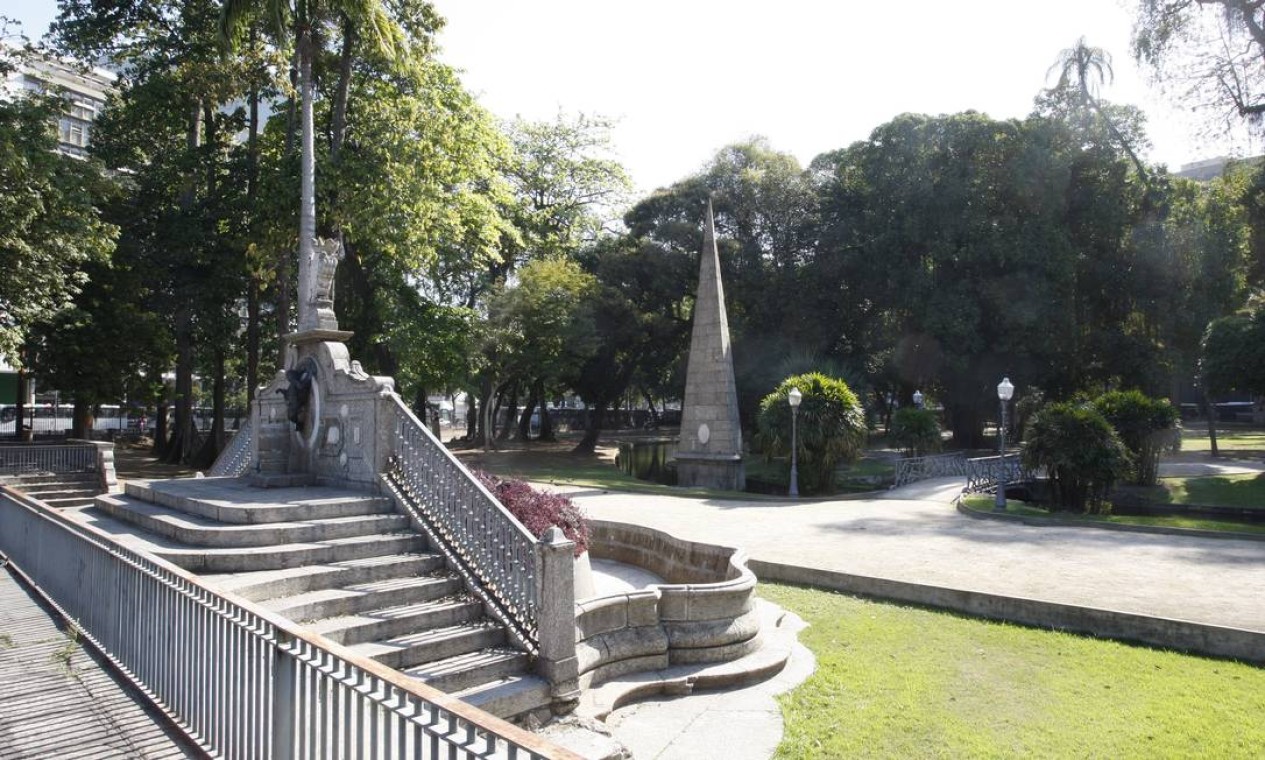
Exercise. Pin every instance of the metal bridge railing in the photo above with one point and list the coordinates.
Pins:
(243, 683)
(983, 473)
(487, 544)
(18, 459)
(913, 469)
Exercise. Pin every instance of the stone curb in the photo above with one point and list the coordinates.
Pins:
(1183, 635)
(1061, 522)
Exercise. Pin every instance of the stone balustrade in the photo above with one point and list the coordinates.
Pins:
(704, 613)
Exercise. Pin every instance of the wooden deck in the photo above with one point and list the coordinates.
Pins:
(57, 700)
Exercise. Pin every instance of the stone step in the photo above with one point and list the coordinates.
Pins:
(62, 491)
(200, 531)
(509, 696)
(69, 501)
(268, 584)
(224, 499)
(49, 478)
(421, 647)
(244, 559)
(390, 622)
(469, 670)
(362, 597)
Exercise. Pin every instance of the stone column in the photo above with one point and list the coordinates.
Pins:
(556, 594)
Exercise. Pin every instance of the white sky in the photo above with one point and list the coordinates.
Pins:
(683, 78)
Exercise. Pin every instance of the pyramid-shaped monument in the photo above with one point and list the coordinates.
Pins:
(710, 452)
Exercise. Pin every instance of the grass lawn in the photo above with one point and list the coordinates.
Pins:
(1245, 491)
(895, 681)
(1196, 439)
(984, 503)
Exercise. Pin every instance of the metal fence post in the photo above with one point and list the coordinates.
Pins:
(283, 672)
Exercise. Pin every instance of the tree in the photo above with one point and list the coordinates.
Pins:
(1213, 51)
(371, 22)
(1233, 357)
(50, 228)
(1088, 68)
(1079, 451)
(917, 431)
(1145, 425)
(830, 427)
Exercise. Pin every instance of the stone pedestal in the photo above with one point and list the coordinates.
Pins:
(346, 428)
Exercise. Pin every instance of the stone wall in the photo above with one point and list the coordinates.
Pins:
(705, 613)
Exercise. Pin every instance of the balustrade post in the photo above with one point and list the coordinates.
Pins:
(556, 592)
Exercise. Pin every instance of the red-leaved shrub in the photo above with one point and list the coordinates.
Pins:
(539, 510)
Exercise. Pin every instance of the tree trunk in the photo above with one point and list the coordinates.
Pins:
(214, 442)
(524, 420)
(472, 418)
(180, 447)
(307, 181)
(511, 410)
(341, 90)
(81, 420)
(19, 408)
(253, 289)
(597, 418)
(546, 422)
(1211, 411)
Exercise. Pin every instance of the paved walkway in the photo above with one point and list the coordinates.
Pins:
(56, 699)
(914, 534)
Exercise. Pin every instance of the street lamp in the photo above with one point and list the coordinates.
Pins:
(794, 397)
(1004, 391)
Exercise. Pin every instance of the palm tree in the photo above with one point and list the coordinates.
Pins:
(300, 17)
(1089, 68)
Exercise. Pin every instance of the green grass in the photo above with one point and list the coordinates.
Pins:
(1196, 439)
(985, 504)
(895, 681)
(1246, 491)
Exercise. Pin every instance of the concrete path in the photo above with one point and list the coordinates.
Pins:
(914, 534)
(58, 701)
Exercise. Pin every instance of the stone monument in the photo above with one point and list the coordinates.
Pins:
(710, 452)
(321, 419)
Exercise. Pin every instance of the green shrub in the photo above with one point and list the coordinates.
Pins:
(1145, 425)
(1080, 452)
(917, 431)
(830, 427)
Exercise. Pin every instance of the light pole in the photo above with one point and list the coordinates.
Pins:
(794, 397)
(1004, 391)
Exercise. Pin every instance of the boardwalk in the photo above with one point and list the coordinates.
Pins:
(57, 701)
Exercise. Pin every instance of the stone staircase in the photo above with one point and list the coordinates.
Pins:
(342, 564)
(71, 489)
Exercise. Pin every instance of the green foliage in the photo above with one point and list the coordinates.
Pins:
(1233, 357)
(50, 226)
(829, 427)
(917, 431)
(1079, 451)
(1146, 426)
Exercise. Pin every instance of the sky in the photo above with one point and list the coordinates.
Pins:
(683, 78)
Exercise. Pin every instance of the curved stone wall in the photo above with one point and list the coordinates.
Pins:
(704, 613)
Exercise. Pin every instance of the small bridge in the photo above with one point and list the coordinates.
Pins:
(982, 473)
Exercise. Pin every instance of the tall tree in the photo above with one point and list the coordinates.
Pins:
(1088, 69)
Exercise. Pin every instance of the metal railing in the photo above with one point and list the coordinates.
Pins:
(242, 682)
(913, 469)
(18, 459)
(983, 473)
(485, 542)
(235, 458)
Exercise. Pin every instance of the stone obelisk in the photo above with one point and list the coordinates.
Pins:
(710, 450)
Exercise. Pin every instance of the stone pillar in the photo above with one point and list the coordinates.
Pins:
(710, 451)
(556, 623)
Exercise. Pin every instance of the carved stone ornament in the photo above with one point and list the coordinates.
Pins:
(298, 391)
(326, 253)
